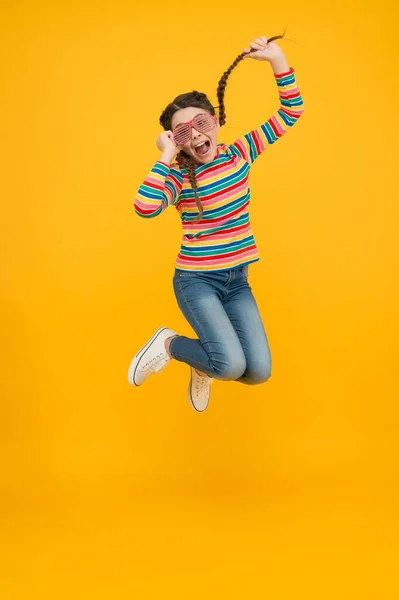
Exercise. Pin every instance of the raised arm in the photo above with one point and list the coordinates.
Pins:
(251, 145)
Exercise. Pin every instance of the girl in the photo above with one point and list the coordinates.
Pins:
(208, 184)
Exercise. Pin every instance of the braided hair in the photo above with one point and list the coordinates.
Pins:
(223, 81)
(198, 100)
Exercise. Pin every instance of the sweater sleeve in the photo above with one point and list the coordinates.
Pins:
(251, 145)
(161, 187)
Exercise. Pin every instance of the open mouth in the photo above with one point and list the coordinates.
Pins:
(202, 149)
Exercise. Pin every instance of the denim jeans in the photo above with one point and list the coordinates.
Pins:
(220, 307)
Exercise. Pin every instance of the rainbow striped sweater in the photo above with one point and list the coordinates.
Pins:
(223, 238)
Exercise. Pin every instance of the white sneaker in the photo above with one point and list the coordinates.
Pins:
(199, 391)
(151, 358)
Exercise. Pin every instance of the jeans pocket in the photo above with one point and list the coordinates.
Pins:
(182, 274)
(183, 280)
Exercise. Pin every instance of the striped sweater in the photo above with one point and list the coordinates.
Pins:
(223, 238)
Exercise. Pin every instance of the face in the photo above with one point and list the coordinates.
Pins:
(201, 146)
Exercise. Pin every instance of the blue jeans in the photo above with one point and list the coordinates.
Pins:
(220, 307)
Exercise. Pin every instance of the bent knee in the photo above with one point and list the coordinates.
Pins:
(258, 376)
(230, 370)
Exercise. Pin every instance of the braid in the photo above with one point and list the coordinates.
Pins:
(223, 81)
(188, 163)
(222, 88)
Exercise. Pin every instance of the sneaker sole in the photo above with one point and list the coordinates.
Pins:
(190, 397)
(136, 360)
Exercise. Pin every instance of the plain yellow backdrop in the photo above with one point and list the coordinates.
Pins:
(280, 491)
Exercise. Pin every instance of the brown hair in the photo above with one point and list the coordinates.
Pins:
(199, 100)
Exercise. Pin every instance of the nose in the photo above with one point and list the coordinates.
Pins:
(194, 133)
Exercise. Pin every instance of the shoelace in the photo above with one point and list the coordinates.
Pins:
(202, 384)
(155, 363)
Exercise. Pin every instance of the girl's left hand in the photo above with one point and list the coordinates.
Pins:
(263, 50)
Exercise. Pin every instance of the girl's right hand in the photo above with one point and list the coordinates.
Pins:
(165, 143)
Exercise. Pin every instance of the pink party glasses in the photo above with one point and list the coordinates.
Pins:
(202, 123)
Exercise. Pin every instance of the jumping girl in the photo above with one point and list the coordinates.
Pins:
(207, 182)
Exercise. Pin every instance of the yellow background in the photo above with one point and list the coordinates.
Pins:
(281, 491)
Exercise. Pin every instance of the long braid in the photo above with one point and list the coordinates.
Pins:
(223, 81)
(188, 163)
(222, 88)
